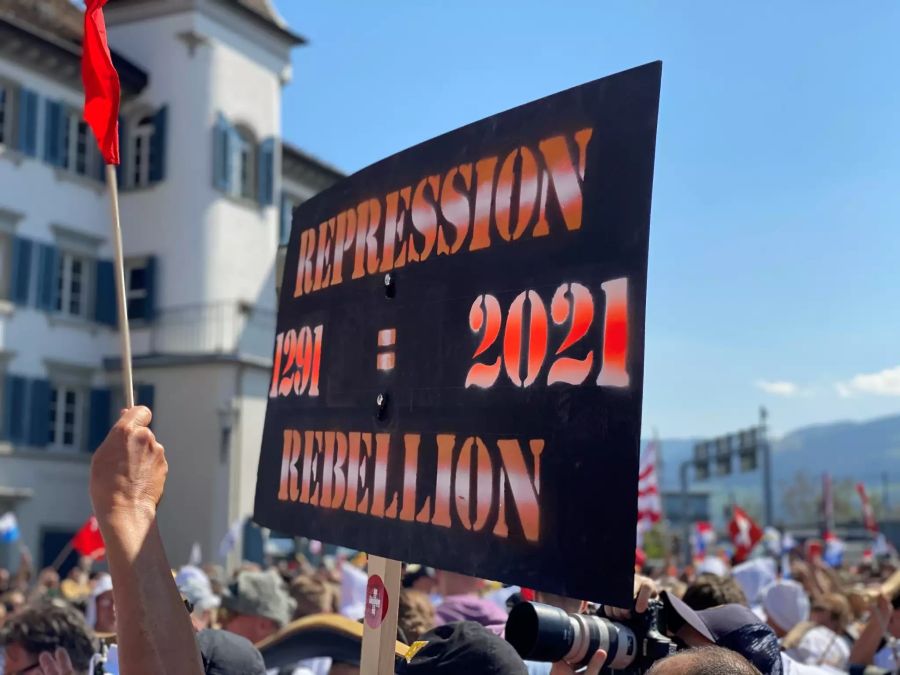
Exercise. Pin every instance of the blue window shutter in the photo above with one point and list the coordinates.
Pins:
(53, 133)
(144, 395)
(265, 173)
(150, 280)
(123, 149)
(21, 270)
(222, 154)
(14, 408)
(48, 273)
(101, 417)
(27, 122)
(39, 420)
(157, 169)
(105, 304)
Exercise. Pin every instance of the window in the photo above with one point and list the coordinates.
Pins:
(78, 153)
(72, 285)
(243, 182)
(6, 105)
(137, 288)
(66, 416)
(141, 147)
(5, 266)
(288, 204)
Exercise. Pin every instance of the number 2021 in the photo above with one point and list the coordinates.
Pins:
(298, 355)
(573, 305)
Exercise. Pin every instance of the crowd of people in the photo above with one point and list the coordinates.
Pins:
(134, 614)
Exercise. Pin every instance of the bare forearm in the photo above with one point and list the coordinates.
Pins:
(864, 648)
(155, 634)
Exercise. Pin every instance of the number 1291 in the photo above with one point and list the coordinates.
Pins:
(298, 355)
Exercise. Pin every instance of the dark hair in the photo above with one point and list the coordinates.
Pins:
(710, 590)
(48, 625)
(710, 661)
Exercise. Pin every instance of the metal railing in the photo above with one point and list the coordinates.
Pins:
(217, 328)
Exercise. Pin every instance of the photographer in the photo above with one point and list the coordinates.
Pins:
(128, 473)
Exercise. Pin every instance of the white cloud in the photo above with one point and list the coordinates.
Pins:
(778, 387)
(882, 383)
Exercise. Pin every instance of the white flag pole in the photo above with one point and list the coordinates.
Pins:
(124, 333)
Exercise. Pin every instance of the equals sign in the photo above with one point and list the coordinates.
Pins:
(386, 358)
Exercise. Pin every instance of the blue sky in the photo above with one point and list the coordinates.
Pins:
(775, 234)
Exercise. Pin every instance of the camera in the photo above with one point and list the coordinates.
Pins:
(541, 632)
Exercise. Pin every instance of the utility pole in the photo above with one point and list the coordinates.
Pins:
(767, 467)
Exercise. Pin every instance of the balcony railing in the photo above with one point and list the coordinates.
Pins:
(219, 328)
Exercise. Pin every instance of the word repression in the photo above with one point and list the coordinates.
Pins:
(469, 207)
(444, 480)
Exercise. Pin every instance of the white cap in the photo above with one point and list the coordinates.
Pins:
(786, 603)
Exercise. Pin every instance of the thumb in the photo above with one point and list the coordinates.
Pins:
(138, 416)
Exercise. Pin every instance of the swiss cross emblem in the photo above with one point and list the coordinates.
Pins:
(376, 601)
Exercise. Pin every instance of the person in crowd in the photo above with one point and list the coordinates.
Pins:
(101, 610)
(127, 477)
(753, 576)
(462, 647)
(13, 601)
(225, 653)
(786, 605)
(419, 578)
(462, 601)
(312, 596)
(50, 631)
(712, 590)
(195, 587)
(879, 642)
(416, 614)
(257, 606)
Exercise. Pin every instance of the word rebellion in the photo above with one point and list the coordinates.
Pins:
(469, 486)
(513, 196)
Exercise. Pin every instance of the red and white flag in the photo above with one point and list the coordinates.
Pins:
(868, 511)
(745, 533)
(88, 541)
(649, 500)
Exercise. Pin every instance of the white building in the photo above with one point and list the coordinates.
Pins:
(206, 189)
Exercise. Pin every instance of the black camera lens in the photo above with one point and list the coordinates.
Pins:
(539, 632)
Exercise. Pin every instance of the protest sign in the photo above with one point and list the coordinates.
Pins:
(458, 362)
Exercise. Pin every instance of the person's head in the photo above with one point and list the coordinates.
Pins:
(48, 579)
(704, 661)
(194, 586)
(46, 627)
(415, 614)
(13, 601)
(419, 578)
(452, 583)
(786, 604)
(711, 590)
(257, 605)
(101, 609)
(312, 596)
(462, 647)
(224, 653)
(4, 579)
(832, 610)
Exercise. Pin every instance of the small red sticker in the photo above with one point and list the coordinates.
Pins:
(376, 601)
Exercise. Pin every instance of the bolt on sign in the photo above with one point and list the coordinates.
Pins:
(458, 363)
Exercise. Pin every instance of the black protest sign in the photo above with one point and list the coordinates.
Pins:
(458, 362)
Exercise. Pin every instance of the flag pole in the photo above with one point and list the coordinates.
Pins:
(124, 333)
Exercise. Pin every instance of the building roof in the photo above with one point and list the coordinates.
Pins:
(302, 166)
(263, 9)
(57, 26)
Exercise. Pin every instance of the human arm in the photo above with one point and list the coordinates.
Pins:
(594, 666)
(863, 651)
(128, 474)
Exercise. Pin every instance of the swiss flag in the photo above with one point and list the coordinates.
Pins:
(744, 533)
(88, 541)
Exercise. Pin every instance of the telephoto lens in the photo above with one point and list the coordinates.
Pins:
(541, 632)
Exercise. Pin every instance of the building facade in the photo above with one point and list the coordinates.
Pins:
(206, 187)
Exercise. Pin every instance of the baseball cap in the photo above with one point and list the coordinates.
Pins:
(462, 647)
(225, 653)
(260, 594)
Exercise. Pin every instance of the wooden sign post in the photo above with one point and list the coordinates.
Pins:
(380, 624)
(458, 363)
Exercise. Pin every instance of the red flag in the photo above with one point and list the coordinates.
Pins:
(101, 83)
(868, 512)
(88, 540)
(649, 502)
(744, 533)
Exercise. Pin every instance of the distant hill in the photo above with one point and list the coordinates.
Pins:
(851, 451)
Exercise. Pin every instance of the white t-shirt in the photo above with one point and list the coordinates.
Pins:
(791, 667)
(822, 646)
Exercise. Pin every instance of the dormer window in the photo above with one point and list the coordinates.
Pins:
(243, 164)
